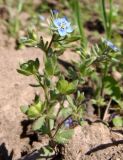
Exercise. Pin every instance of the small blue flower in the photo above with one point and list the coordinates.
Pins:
(68, 122)
(55, 11)
(63, 26)
(111, 45)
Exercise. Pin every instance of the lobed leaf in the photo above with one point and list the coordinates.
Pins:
(63, 136)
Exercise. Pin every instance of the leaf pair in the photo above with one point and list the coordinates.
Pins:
(29, 68)
(51, 66)
(34, 110)
(63, 136)
(65, 87)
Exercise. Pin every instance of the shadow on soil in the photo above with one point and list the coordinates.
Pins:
(104, 146)
(26, 133)
(4, 155)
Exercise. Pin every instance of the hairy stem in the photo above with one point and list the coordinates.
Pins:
(107, 109)
(49, 46)
(59, 126)
(104, 75)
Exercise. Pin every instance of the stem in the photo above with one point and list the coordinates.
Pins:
(104, 16)
(43, 86)
(110, 20)
(61, 104)
(38, 79)
(46, 94)
(106, 111)
(107, 18)
(59, 126)
(99, 112)
(52, 39)
(105, 73)
(50, 134)
(102, 87)
(47, 100)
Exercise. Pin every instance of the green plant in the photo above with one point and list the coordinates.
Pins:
(14, 24)
(96, 63)
(47, 113)
(95, 66)
(107, 17)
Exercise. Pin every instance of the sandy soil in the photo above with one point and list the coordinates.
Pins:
(14, 91)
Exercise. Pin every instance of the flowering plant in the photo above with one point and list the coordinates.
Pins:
(65, 102)
(51, 116)
(96, 68)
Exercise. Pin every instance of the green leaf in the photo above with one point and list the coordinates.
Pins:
(44, 129)
(20, 6)
(72, 39)
(35, 85)
(63, 136)
(27, 41)
(118, 121)
(51, 66)
(80, 112)
(111, 87)
(65, 112)
(80, 97)
(39, 106)
(38, 123)
(24, 109)
(33, 112)
(29, 68)
(52, 112)
(37, 64)
(99, 101)
(46, 151)
(71, 102)
(72, 87)
(66, 88)
(119, 102)
(62, 86)
(54, 94)
(51, 124)
(24, 72)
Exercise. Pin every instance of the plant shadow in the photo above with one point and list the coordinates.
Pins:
(4, 155)
(104, 146)
(28, 134)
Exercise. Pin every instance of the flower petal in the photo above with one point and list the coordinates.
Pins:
(57, 22)
(62, 31)
(55, 11)
(69, 29)
(65, 21)
(111, 45)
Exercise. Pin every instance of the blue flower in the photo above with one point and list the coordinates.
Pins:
(63, 26)
(55, 11)
(68, 122)
(111, 45)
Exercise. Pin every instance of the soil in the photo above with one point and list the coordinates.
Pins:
(93, 141)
